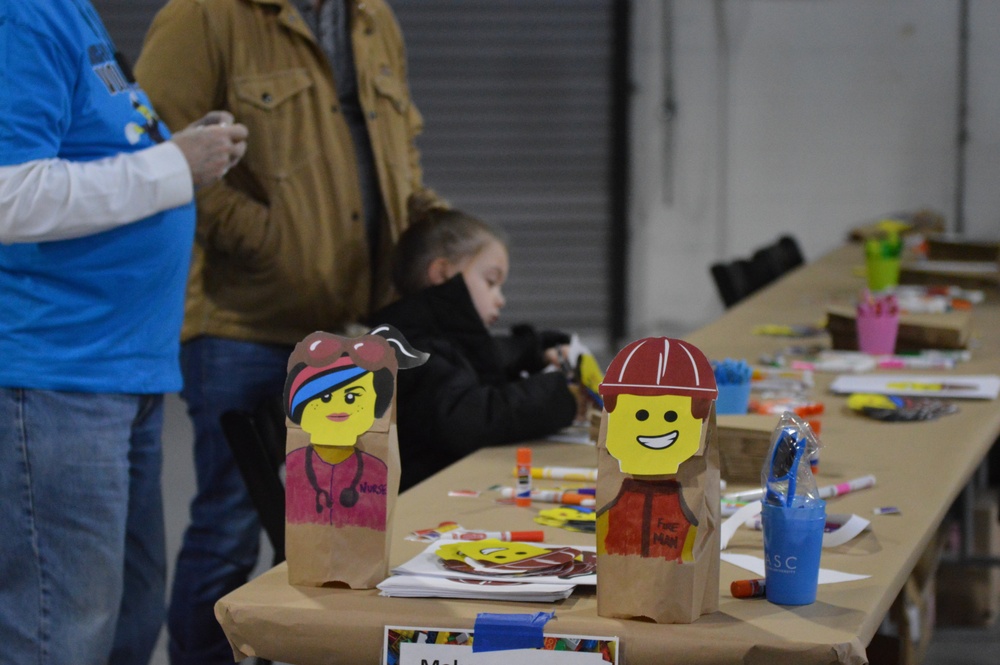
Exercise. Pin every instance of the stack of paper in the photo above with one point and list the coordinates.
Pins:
(494, 570)
(967, 386)
(420, 586)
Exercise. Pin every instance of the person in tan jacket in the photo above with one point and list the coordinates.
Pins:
(296, 238)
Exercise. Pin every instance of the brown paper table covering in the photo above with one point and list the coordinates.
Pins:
(920, 467)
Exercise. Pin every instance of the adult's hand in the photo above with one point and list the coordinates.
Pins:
(212, 146)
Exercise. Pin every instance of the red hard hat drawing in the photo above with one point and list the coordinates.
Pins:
(659, 366)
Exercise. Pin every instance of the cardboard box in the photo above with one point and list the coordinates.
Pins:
(743, 445)
(906, 631)
(918, 222)
(964, 274)
(969, 595)
(951, 330)
(955, 248)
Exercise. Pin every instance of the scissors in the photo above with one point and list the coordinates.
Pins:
(786, 455)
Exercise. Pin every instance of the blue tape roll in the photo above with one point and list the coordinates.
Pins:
(499, 632)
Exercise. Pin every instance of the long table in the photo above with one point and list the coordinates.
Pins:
(920, 467)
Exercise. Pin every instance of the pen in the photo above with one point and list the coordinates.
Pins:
(506, 536)
(568, 497)
(562, 473)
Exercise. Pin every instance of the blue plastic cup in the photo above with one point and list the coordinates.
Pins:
(793, 542)
(733, 399)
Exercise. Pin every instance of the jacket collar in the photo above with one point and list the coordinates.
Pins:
(290, 15)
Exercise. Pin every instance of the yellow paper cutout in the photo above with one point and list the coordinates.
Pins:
(489, 550)
(652, 435)
(339, 417)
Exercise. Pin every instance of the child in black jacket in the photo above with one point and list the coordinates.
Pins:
(476, 390)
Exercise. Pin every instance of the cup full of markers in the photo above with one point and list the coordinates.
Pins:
(732, 378)
(877, 323)
(882, 262)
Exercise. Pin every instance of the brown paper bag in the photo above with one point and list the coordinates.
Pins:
(342, 456)
(658, 485)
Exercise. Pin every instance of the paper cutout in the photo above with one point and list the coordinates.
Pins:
(652, 435)
(342, 460)
(653, 425)
(555, 564)
(429, 645)
(571, 518)
(496, 558)
(846, 527)
(658, 486)
(756, 565)
(968, 386)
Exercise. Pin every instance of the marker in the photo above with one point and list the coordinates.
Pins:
(522, 495)
(568, 497)
(825, 492)
(747, 588)
(745, 496)
(861, 483)
(563, 473)
(506, 536)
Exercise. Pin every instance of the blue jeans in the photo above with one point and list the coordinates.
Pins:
(82, 557)
(222, 541)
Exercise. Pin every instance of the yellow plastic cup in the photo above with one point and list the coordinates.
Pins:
(883, 272)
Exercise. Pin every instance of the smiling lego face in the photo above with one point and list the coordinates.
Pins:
(490, 550)
(652, 435)
(339, 417)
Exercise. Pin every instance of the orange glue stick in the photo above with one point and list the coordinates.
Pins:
(522, 494)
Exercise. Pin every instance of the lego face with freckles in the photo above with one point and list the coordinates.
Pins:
(339, 417)
(490, 550)
(650, 435)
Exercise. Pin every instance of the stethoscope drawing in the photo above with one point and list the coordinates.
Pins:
(348, 496)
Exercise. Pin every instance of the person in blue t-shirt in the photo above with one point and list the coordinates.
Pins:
(96, 228)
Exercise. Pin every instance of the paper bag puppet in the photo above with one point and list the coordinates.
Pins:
(658, 485)
(342, 456)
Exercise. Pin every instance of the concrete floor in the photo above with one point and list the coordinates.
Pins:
(949, 646)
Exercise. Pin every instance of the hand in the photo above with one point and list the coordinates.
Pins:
(583, 403)
(558, 356)
(212, 146)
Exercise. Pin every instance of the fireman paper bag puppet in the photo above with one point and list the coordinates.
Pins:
(342, 455)
(658, 484)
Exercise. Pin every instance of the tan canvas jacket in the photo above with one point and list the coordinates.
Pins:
(281, 247)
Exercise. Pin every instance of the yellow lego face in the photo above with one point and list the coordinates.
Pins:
(339, 417)
(652, 435)
(490, 550)
(569, 513)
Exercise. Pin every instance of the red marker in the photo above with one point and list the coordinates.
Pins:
(506, 536)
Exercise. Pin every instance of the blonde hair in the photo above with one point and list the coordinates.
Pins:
(436, 231)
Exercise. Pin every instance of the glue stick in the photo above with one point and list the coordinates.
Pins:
(747, 588)
(522, 496)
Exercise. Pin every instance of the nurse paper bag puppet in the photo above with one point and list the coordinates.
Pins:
(658, 484)
(342, 456)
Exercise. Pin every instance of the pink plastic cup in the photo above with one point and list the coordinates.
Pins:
(877, 333)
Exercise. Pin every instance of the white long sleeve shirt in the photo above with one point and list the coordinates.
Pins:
(56, 199)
